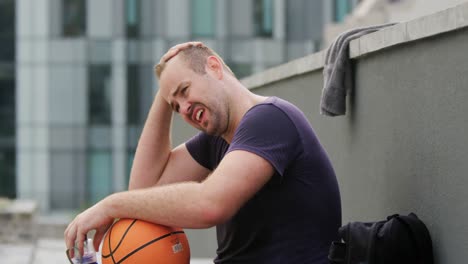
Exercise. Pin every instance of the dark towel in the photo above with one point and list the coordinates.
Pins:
(337, 71)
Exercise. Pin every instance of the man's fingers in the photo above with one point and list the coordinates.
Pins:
(97, 238)
(96, 243)
(175, 50)
(70, 254)
(70, 238)
(169, 54)
(74, 234)
(81, 238)
(185, 45)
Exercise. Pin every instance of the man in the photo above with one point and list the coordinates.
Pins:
(256, 170)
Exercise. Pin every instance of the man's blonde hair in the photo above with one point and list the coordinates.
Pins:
(195, 57)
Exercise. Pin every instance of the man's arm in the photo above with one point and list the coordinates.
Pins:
(188, 204)
(155, 163)
(197, 205)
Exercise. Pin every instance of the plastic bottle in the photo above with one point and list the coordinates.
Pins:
(89, 254)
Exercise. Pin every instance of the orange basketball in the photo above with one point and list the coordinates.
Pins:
(135, 241)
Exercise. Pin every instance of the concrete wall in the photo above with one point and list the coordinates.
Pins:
(403, 144)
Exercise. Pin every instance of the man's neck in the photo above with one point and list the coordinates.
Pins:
(242, 101)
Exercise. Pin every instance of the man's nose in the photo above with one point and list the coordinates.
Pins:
(185, 108)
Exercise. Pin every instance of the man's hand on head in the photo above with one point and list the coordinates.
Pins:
(175, 50)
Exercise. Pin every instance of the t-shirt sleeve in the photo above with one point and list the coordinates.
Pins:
(268, 132)
(206, 150)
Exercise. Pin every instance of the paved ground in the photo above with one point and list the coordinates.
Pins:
(45, 251)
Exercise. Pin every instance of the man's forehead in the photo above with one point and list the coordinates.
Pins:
(174, 66)
(173, 75)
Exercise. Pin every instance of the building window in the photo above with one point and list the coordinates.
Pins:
(132, 18)
(7, 18)
(7, 172)
(7, 30)
(66, 178)
(133, 95)
(7, 49)
(133, 135)
(99, 176)
(241, 70)
(130, 157)
(99, 95)
(73, 18)
(341, 8)
(203, 18)
(263, 18)
(7, 109)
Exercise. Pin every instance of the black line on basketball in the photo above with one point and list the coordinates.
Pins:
(110, 248)
(111, 252)
(149, 243)
(124, 235)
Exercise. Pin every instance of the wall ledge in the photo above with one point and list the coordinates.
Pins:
(299, 66)
(447, 20)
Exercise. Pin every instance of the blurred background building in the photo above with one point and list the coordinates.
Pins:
(76, 76)
(84, 80)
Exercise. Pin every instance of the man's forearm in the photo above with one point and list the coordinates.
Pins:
(179, 205)
(154, 146)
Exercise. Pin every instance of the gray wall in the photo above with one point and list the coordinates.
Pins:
(402, 147)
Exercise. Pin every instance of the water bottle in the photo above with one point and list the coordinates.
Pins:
(89, 254)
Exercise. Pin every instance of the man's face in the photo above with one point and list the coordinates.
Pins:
(199, 99)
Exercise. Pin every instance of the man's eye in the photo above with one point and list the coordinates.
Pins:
(184, 90)
(175, 107)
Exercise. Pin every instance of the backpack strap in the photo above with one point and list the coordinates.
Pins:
(417, 229)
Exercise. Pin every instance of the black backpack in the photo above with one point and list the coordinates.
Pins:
(399, 239)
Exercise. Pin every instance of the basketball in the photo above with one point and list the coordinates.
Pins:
(135, 241)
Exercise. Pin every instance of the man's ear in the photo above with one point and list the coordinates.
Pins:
(214, 66)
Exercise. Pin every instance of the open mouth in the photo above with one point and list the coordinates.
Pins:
(198, 115)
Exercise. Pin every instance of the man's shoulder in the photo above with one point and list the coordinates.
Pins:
(269, 117)
(274, 107)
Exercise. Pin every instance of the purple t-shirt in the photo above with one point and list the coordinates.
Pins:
(296, 215)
